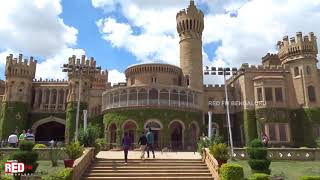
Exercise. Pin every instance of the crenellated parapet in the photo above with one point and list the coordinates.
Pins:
(19, 67)
(101, 76)
(89, 65)
(40, 80)
(190, 22)
(305, 46)
(261, 68)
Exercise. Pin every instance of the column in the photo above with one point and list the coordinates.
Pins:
(50, 98)
(148, 97)
(128, 94)
(158, 97)
(179, 97)
(209, 124)
(137, 96)
(187, 98)
(64, 98)
(36, 97)
(57, 98)
(169, 97)
(43, 98)
(119, 99)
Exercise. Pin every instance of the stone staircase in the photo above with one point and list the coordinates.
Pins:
(149, 169)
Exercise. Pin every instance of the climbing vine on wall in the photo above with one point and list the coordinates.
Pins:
(12, 115)
(71, 113)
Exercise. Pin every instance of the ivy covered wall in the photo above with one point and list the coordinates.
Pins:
(71, 113)
(300, 121)
(165, 116)
(12, 115)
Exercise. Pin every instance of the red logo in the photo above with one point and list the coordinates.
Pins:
(12, 167)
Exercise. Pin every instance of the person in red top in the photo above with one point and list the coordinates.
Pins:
(265, 139)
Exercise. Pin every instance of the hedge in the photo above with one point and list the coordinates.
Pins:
(231, 171)
(310, 178)
(259, 176)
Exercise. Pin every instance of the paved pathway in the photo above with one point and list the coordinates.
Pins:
(159, 155)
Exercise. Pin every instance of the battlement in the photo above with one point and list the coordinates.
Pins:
(299, 45)
(261, 68)
(214, 86)
(49, 80)
(102, 76)
(74, 61)
(20, 67)
(190, 19)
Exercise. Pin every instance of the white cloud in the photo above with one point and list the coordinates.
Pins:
(114, 76)
(51, 68)
(34, 27)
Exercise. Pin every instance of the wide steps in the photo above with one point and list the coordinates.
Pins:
(148, 169)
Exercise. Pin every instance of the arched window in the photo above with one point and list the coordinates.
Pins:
(296, 71)
(308, 70)
(311, 94)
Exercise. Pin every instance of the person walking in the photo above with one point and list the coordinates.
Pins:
(126, 145)
(150, 140)
(265, 139)
(29, 136)
(13, 140)
(143, 142)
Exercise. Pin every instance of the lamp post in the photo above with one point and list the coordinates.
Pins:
(79, 69)
(224, 72)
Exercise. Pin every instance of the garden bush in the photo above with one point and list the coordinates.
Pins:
(310, 178)
(26, 155)
(231, 171)
(205, 142)
(74, 150)
(88, 137)
(54, 156)
(64, 174)
(259, 176)
(258, 161)
(40, 146)
(219, 151)
(99, 145)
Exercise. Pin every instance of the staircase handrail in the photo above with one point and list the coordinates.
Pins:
(211, 163)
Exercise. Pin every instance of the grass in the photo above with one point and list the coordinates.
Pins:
(45, 169)
(289, 170)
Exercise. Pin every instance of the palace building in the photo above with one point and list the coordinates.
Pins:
(280, 97)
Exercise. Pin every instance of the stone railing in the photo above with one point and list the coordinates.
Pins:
(44, 153)
(211, 163)
(295, 154)
(82, 163)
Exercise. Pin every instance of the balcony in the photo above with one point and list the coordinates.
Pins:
(151, 96)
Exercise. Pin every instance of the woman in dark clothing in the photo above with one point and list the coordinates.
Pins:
(126, 144)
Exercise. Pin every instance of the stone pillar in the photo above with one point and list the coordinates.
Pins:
(148, 97)
(137, 96)
(169, 97)
(209, 124)
(187, 98)
(50, 98)
(43, 98)
(36, 97)
(158, 96)
(128, 94)
(57, 98)
(179, 97)
(64, 98)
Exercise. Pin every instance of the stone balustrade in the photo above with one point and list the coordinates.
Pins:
(294, 154)
(44, 153)
(82, 163)
(211, 163)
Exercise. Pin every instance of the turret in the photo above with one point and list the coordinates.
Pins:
(19, 74)
(299, 46)
(190, 26)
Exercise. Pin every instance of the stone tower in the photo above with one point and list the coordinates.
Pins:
(190, 27)
(19, 74)
(72, 99)
(300, 54)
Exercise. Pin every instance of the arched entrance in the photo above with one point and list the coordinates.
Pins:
(113, 135)
(50, 131)
(50, 128)
(130, 127)
(176, 135)
(155, 126)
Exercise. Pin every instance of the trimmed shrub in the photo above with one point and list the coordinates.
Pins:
(219, 151)
(310, 178)
(231, 171)
(256, 143)
(257, 153)
(26, 145)
(99, 144)
(259, 176)
(39, 146)
(205, 142)
(258, 160)
(74, 150)
(88, 137)
(64, 174)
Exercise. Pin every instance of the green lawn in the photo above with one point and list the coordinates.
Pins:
(290, 170)
(45, 169)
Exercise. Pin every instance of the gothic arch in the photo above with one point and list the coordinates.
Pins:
(46, 120)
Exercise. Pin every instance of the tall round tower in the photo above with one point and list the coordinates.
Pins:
(190, 27)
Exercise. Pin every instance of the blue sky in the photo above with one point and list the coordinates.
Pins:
(119, 33)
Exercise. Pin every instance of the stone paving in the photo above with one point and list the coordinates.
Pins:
(159, 155)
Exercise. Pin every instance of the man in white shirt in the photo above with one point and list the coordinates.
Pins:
(13, 140)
